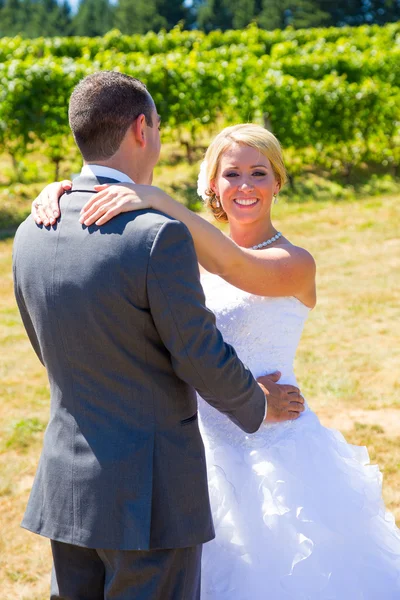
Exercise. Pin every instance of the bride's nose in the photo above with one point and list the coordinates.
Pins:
(246, 186)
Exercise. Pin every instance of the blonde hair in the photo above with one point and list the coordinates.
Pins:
(248, 134)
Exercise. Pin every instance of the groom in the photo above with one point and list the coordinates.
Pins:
(117, 317)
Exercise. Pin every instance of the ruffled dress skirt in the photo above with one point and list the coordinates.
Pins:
(299, 515)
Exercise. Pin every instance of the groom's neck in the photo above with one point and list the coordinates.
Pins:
(124, 167)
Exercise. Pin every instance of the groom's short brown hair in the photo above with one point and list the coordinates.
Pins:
(102, 107)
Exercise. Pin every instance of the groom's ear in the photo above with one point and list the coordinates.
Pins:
(139, 130)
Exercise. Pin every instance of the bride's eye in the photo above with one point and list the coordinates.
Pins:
(259, 173)
(232, 174)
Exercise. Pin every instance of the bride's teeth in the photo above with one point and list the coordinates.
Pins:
(245, 202)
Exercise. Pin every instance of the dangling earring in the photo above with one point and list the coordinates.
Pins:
(217, 203)
(275, 198)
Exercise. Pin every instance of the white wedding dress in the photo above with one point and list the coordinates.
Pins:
(298, 511)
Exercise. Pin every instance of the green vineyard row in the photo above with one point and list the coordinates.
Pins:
(258, 41)
(332, 96)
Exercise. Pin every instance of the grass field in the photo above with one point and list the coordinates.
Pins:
(348, 364)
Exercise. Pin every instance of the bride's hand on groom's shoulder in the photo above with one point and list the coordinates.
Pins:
(284, 402)
(45, 208)
(111, 200)
(108, 202)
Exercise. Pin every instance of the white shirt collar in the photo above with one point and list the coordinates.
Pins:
(102, 171)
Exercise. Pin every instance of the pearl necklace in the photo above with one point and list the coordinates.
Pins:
(267, 242)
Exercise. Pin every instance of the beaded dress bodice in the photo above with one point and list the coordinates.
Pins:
(265, 333)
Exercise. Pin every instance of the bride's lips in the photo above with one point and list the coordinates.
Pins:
(245, 202)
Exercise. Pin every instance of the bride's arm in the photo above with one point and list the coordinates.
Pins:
(285, 270)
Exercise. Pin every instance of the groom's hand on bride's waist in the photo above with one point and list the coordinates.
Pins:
(284, 402)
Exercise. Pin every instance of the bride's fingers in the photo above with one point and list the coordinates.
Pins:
(89, 219)
(113, 212)
(101, 193)
(112, 198)
(41, 210)
(38, 213)
(49, 204)
(54, 197)
(96, 202)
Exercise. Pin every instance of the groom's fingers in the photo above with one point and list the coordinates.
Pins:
(293, 415)
(275, 377)
(297, 407)
(266, 379)
(293, 391)
(295, 398)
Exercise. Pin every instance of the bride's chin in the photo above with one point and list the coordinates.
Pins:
(243, 217)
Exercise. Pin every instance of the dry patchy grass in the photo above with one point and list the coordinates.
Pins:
(348, 365)
(349, 359)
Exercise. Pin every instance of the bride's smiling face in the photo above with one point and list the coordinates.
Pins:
(245, 183)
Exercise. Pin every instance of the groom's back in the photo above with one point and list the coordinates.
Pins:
(84, 299)
(85, 292)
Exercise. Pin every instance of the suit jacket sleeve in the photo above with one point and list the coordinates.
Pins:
(26, 319)
(187, 328)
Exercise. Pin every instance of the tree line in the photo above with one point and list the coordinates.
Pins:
(49, 18)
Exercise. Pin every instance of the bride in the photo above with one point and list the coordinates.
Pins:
(298, 512)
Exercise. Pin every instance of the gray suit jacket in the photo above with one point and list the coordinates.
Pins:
(117, 316)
